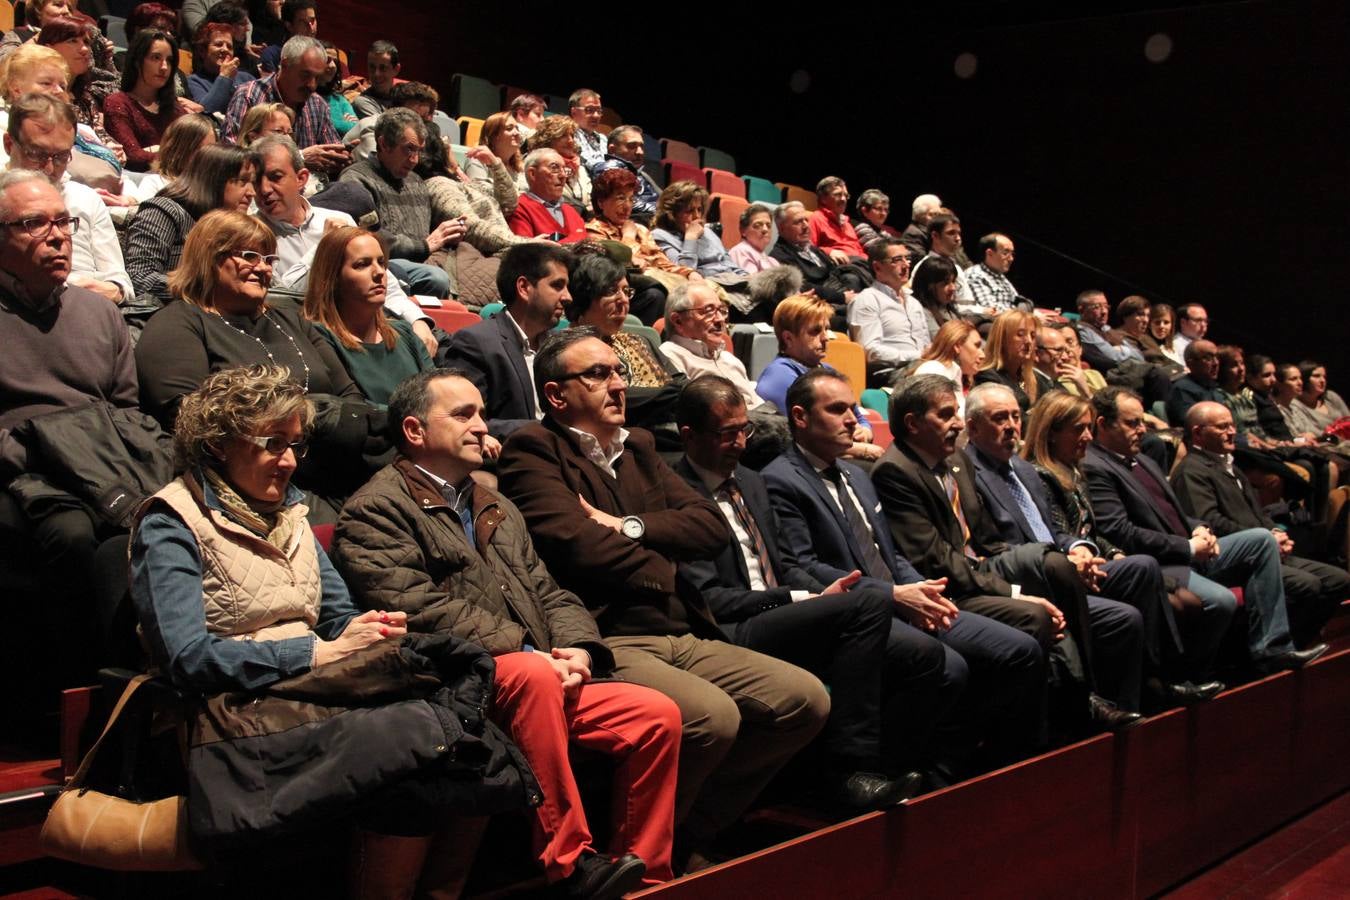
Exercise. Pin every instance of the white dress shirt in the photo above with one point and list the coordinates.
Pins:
(94, 248)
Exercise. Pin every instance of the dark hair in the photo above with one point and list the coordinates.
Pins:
(754, 209)
(387, 48)
(802, 392)
(141, 46)
(1229, 354)
(406, 92)
(65, 28)
(1306, 368)
(201, 187)
(412, 397)
(698, 397)
(525, 102)
(228, 12)
(989, 242)
(917, 396)
(530, 260)
(548, 359)
(610, 182)
(1257, 361)
(938, 223)
(435, 156)
(144, 15)
(291, 7)
(935, 270)
(1106, 402)
(592, 277)
(1131, 306)
(877, 250)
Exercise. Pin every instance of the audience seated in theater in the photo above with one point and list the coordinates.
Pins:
(873, 208)
(944, 242)
(73, 37)
(414, 95)
(330, 89)
(31, 69)
(1138, 511)
(1199, 383)
(886, 679)
(560, 134)
(1211, 488)
(1302, 419)
(64, 347)
(885, 318)
(264, 120)
(234, 14)
(1103, 347)
(696, 330)
(298, 18)
(35, 15)
(187, 135)
(934, 286)
(222, 319)
(137, 115)
(217, 177)
(215, 68)
(1078, 378)
(830, 522)
(382, 68)
(1110, 634)
(610, 519)
(1325, 406)
(345, 301)
(794, 247)
(528, 111)
(1161, 335)
(613, 193)
(1011, 358)
(957, 354)
(496, 164)
(1057, 438)
(424, 538)
(40, 136)
(299, 226)
(1192, 325)
(234, 594)
(988, 280)
(264, 17)
(541, 212)
(1057, 365)
(684, 236)
(499, 353)
(1133, 313)
(408, 223)
(831, 229)
(600, 297)
(802, 325)
(627, 150)
(295, 83)
(756, 225)
(915, 235)
(585, 109)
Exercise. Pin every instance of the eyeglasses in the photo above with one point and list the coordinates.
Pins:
(40, 227)
(623, 293)
(711, 311)
(729, 433)
(253, 258)
(591, 110)
(277, 445)
(597, 376)
(1053, 351)
(39, 160)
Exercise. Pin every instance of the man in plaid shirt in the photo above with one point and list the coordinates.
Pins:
(988, 279)
(295, 83)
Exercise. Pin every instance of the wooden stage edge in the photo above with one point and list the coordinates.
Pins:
(1114, 816)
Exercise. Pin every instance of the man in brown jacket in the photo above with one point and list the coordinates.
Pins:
(423, 537)
(611, 520)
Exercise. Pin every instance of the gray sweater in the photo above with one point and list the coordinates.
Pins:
(404, 207)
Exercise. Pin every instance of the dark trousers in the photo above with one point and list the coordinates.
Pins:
(1138, 581)
(1312, 592)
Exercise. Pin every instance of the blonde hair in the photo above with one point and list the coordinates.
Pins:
(549, 132)
(25, 60)
(999, 350)
(493, 126)
(232, 403)
(256, 119)
(217, 232)
(949, 337)
(796, 312)
(1054, 412)
(325, 281)
(181, 141)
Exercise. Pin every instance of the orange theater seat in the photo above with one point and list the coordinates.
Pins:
(679, 171)
(727, 211)
(679, 151)
(452, 320)
(722, 182)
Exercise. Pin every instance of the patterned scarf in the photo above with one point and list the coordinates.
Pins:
(263, 519)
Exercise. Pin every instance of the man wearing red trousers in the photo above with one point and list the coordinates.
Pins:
(423, 537)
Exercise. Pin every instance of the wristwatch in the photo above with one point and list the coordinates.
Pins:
(632, 528)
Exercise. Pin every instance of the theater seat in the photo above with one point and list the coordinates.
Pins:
(324, 535)
(470, 130)
(720, 181)
(679, 151)
(678, 171)
(711, 158)
(761, 190)
(470, 96)
(881, 434)
(849, 360)
(656, 168)
(800, 194)
(727, 212)
(452, 320)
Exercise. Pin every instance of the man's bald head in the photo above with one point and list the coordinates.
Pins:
(1210, 427)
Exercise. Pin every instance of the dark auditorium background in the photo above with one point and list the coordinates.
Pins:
(1217, 175)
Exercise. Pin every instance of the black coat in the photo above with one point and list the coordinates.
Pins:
(1227, 503)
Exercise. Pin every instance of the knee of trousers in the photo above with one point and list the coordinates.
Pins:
(1059, 572)
(661, 719)
(1300, 586)
(533, 673)
(955, 671)
(1148, 572)
(710, 723)
(805, 702)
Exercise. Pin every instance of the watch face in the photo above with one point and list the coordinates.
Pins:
(633, 527)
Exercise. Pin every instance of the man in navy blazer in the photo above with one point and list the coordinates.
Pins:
(808, 487)
(498, 354)
(1137, 509)
(886, 678)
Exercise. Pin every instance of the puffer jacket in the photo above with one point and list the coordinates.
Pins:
(399, 545)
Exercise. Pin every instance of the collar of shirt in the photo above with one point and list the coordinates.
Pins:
(520, 333)
(701, 348)
(820, 465)
(1223, 459)
(458, 496)
(283, 228)
(713, 481)
(555, 205)
(929, 462)
(888, 291)
(1118, 457)
(604, 457)
(1003, 469)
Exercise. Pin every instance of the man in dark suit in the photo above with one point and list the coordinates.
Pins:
(831, 282)
(831, 522)
(611, 521)
(1211, 488)
(1138, 511)
(498, 354)
(1010, 493)
(886, 678)
(934, 513)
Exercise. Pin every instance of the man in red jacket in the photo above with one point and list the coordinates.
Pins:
(541, 210)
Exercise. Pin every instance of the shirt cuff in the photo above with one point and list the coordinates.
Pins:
(799, 596)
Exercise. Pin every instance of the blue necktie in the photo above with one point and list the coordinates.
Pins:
(1028, 507)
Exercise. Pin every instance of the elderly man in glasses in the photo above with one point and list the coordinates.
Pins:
(611, 521)
(40, 136)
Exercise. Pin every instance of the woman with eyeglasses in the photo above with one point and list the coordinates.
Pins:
(222, 320)
(218, 177)
(345, 300)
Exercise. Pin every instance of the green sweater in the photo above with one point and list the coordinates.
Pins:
(378, 369)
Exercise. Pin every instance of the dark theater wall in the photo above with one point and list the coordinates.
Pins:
(1217, 175)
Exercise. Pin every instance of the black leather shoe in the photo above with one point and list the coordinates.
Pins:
(1290, 659)
(864, 791)
(1188, 692)
(1109, 716)
(598, 878)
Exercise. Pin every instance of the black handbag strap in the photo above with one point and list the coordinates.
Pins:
(78, 778)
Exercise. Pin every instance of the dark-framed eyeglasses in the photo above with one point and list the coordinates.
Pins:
(728, 434)
(277, 445)
(39, 159)
(597, 376)
(41, 226)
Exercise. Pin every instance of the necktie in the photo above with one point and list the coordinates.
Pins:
(953, 490)
(1028, 507)
(873, 563)
(733, 492)
(1155, 491)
